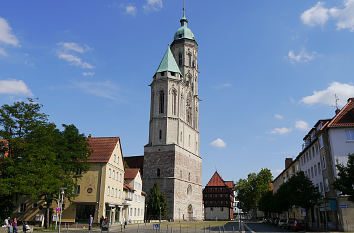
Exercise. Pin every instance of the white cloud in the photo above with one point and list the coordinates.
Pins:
(153, 5)
(105, 89)
(66, 52)
(14, 87)
(75, 61)
(281, 131)
(278, 116)
(3, 52)
(72, 46)
(327, 97)
(302, 125)
(6, 35)
(302, 57)
(319, 15)
(344, 16)
(86, 74)
(218, 143)
(131, 10)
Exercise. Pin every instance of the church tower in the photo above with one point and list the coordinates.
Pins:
(171, 158)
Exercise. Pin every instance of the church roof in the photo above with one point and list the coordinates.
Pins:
(184, 32)
(345, 117)
(168, 63)
(216, 180)
(102, 148)
(135, 162)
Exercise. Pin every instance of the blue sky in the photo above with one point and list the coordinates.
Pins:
(268, 70)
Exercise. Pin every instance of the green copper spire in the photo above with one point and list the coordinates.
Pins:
(184, 31)
(168, 63)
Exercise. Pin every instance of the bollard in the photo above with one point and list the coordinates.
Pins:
(121, 228)
(138, 228)
(180, 228)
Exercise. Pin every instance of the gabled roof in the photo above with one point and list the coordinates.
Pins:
(130, 173)
(102, 148)
(168, 63)
(216, 180)
(135, 162)
(230, 184)
(345, 117)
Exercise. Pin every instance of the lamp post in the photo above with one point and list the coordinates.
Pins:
(61, 206)
(160, 220)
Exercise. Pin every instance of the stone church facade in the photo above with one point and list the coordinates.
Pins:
(171, 157)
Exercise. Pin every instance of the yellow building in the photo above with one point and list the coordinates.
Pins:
(100, 190)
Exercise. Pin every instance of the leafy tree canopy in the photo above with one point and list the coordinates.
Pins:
(345, 180)
(156, 201)
(41, 158)
(250, 190)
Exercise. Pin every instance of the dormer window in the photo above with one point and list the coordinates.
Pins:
(180, 59)
(162, 73)
(173, 74)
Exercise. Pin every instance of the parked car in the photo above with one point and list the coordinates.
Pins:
(289, 223)
(282, 222)
(298, 225)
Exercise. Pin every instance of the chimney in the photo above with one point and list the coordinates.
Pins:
(337, 111)
(288, 161)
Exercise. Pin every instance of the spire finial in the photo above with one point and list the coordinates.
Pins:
(184, 8)
(184, 20)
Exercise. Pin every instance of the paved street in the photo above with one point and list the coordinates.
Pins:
(260, 227)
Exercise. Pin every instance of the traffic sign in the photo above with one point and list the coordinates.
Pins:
(57, 210)
(344, 206)
(156, 226)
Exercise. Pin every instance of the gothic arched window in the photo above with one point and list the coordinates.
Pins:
(189, 59)
(162, 102)
(189, 190)
(158, 172)
(174, 102)
(189, 176)
(180, 59)
(160, 134)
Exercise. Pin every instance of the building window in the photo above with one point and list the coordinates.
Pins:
(78, 189)
(326, 185)
(190, 59)
(160, 134)
(319, 168)
(115, 158)
(321, 141)
(312, 172)
(189, 140)
(350, 134)
(180, 173)
(162, 73)
(321, 187)
(109, 173)
(211, 208)
(158, 172)
(222, 209)
(174, 102)
(189, 176)
(108, 191)
(323, 162)
(22, 208)
(189, 190)
(180, 59)
(181, 137)
(315, 170)
(162, 102)
(114, 175)
(173, 74)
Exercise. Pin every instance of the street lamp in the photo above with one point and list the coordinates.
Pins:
(61, 206)
(160, 220)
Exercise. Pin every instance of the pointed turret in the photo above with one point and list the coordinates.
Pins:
(168, 63)
(184, 32)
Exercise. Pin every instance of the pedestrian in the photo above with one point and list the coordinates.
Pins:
(90, 222)
(24, 228)
(101, 221)
(14, 225)
(7, 223)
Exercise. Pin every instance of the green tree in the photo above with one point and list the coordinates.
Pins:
(42, 159)
(250, 190)
(156, 201)
(345, 180)
(266, 203)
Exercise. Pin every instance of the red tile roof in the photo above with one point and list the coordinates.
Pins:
(127, 186)
(230, 184)
(216, 180)
(130, 173)
(135, 162)
(143, 193)
(102, 148)
(345, 117)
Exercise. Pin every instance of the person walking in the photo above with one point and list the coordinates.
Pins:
(14, 225)
(90, 222)
(101, 221)
(7, 223)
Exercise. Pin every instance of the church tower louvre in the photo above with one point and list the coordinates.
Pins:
(171, 157)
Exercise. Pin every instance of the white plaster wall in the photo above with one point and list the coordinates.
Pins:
(137, 207)
(340, 147)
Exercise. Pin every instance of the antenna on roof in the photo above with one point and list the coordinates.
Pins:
(336, 99)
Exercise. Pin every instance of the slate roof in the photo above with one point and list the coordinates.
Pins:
(168, 63)
(102, 148)
(130, 173)
(135, 162)
(345, 117)
(216, 180)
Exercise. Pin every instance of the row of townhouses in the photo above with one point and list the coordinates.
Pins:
(329, 142)
(106, 190)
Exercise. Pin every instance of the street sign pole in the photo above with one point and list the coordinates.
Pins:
(61, 207)
(56, 219)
